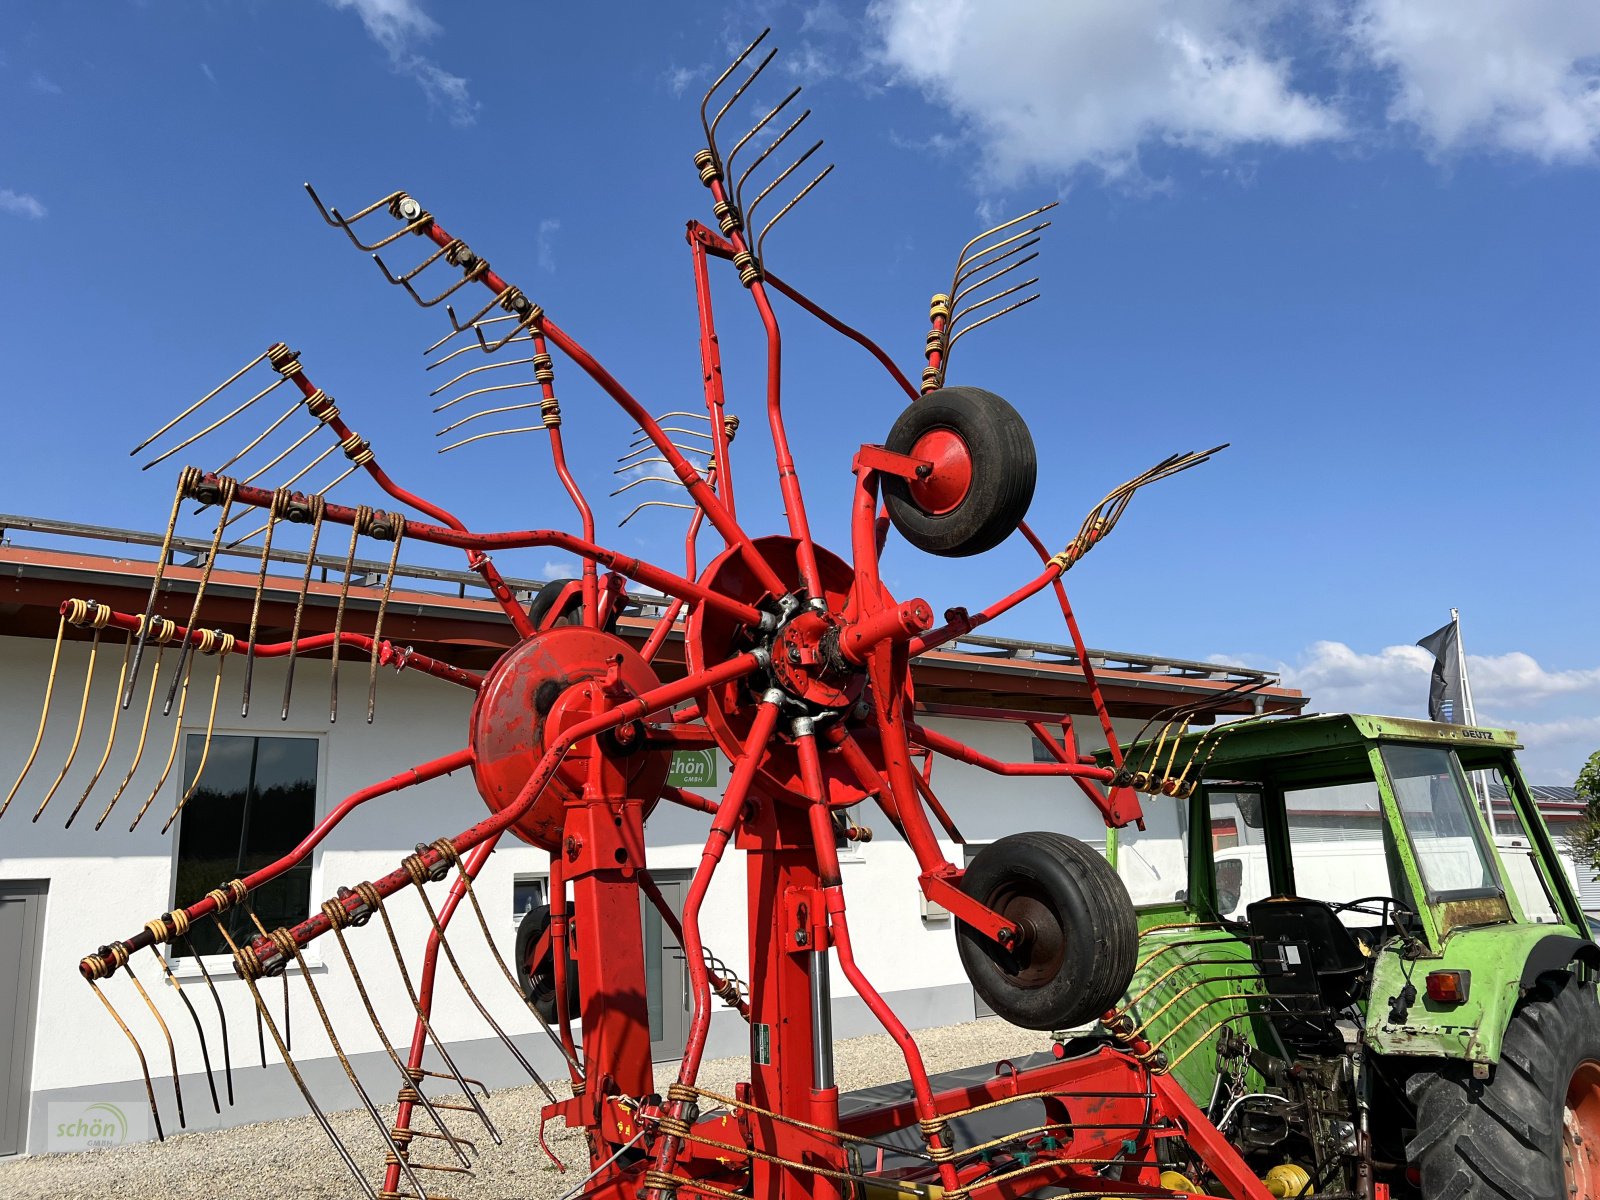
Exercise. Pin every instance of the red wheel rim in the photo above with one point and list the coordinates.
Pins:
(951, 480)
(1580, 1133)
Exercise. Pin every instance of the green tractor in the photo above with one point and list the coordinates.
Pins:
(1367, 996)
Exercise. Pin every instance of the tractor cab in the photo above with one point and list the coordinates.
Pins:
(1324, 914)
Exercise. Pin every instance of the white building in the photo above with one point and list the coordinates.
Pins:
(66, 891)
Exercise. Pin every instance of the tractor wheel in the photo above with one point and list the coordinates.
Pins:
(538, 980)
(1531, 1131)
(1078, 936)
(984, 469)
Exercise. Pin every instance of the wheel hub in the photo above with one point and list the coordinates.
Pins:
(542, 686)
(1580, 1133)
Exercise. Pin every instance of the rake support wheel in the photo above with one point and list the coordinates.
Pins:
(984, 470)
(1078, 934)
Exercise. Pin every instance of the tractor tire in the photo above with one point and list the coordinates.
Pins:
(538, 980)
(1079, 938)
(541, 608)
(1531, 1131)
(985, 468)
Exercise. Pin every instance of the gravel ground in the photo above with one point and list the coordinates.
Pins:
(292, 1158)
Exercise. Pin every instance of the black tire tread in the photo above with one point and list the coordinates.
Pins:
(1005, 470)
(1500, 1138)
(1102, 948)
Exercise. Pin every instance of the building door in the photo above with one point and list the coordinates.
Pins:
(666, 980)
(21, 935)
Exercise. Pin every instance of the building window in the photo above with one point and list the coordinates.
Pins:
(257, 799)
(528, 892)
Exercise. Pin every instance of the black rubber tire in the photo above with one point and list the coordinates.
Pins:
(1501, 1138)
(539, 986)
(572, 612)
(1004, 471)
(1082, 938)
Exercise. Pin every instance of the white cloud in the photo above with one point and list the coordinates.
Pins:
(1522, 77)
(43, 84)
(397, 25)
(20, 204)
(678, 79)
(560, 568)
(1394, 680)
(205, 69)
(1052, 88)
(548, 228)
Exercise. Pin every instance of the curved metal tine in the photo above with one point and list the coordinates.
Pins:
(355, 1081)
(667, 416)
(749, 213)
(986, 263)
(646, 479)
(230, 379)
(77, 733)
(738, 189)
(144, 1067)
(478, 269)
(705, 100)
(478, 437)
(222, 1016)
(295, 445)
(339, 221)
(388, 1048)
(116, 716)
(144, 733)
(199, 1030)
(980, 263)
(294, 1071)
(427, 1026)
(217, 424)
(290, 482)
(526, 322)
(510, 362)
(961, 259)
(497, 387)
(636, 465)
(398, 280)
(488, 412)
(323, 491)
(656, 504)
(477, 318)
(784, 211)
(988, 300)
(461, 978)
(44, 714)
(992, 316)
(172, 1049)
(480, 344)
(640, 441)
(727, 164)
(259, 438)
(711, 134)
(991, 277)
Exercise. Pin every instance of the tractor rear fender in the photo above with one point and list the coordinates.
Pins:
(1557, 953)
(1504, 961)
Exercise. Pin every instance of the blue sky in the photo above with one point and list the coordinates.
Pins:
(1354, 239)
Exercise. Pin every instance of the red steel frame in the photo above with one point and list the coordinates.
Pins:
(790, 774)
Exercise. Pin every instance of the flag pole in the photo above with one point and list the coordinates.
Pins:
(1480, 785)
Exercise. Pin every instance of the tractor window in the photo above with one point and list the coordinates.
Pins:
(1154, 862)
(1336, 843)
(1446, 835)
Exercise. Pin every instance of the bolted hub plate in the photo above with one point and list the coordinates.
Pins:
(805, 665)
(545, 684)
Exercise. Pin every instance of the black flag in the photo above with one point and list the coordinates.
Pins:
(1445, 701)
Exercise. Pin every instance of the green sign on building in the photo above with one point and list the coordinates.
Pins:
(693, 768)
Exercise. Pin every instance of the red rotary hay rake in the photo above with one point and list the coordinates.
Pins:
(799, 672)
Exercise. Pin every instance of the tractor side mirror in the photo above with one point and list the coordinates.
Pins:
(1250, 809)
